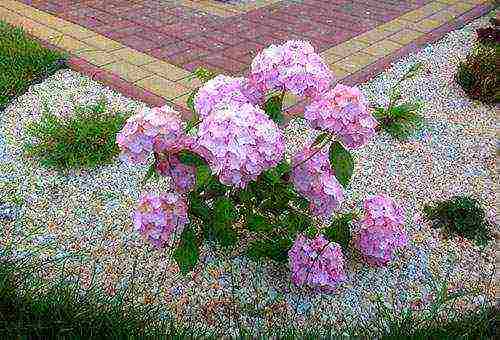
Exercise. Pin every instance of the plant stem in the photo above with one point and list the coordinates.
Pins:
(327, 140)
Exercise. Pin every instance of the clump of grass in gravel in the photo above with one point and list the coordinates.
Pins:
(84, 139)
(461, 215)
(22, 61)
(30, 309)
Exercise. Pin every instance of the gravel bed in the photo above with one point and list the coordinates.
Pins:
(83, 217)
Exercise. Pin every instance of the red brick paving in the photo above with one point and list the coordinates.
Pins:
(188, 37)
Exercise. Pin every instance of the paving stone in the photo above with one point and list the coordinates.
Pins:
(167, 70)
(405, 36)
(382, 48)
(127, 71)
(162, 87)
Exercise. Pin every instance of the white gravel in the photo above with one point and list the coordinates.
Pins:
(87, 213)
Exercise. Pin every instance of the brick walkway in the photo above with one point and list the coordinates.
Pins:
(153, 43)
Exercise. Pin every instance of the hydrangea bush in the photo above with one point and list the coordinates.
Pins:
(230, 177)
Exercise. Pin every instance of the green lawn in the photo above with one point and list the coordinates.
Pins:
(22, 61)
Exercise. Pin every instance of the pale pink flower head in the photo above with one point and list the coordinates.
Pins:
(380, 232)
(314, 178)
(293, 66)
(239, 143)
(159, 217)
(343, 111)
(223, 90)
(316, 263)
(151, 130)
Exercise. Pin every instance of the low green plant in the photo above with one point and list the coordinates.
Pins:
(22, 61)
(84, 139)
(479, 75)
(403, 119)
(462, 216)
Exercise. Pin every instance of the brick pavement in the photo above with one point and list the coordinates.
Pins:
(153, 44)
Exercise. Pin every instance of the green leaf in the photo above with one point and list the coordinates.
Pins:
(190, 158)
(311, 231)
(199, 208)
(192, 123)
(190, 100)
(225, 214)
(321, 137)
(258, 223)
(339, 230)
(187, 254)
(274, 109)
(204, 74)
(150, 173)
(225, 210)
(342, 162)
(276, 250)
(203, 174)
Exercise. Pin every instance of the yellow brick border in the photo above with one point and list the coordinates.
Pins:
(172, 82)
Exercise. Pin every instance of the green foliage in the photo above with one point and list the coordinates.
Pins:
(190, 158)
(342, 162)
(400, 121)
(275, 249)
(22, 62)
(85, 139)
(187, 254)
(204, 74)
(460, 215)
(190, 101)
(339, 230)
(29, 311)
(320, 139)
(479, 75)
(225, 214)
(274, 108)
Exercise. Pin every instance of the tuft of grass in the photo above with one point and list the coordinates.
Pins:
(462, 216)
(22, 62)
(478, 74)
(401, 121)
(85, 139)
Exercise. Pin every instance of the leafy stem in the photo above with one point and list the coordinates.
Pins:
(318, 148)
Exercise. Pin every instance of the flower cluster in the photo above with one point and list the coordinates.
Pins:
(314, 178)
(239, 142)
(183, 176)
(159, 218)
(316, 263)
(156, 129)
(222, 91)
(293, 66)
(343, 111)
(380, 231)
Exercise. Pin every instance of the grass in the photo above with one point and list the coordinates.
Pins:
(85, 139)
(460, 216)
(22, 61)
(30, 310)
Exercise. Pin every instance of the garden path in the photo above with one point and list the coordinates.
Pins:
(146, 48)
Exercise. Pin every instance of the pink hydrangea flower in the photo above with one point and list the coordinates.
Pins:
(221, 91)
(293, 66)
(156, 129)
(183, 176)
(315, 179)
(380, 231)
(317, 263)
(239, 143)
(343, 111)
(159, 217)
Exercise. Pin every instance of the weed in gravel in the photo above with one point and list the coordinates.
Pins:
(478, 74)
(401, 121)
(85, 139)
(462, 216)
